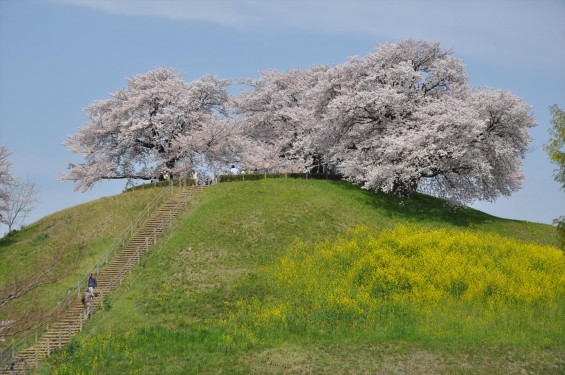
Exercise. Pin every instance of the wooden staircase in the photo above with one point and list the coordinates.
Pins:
(59, 333)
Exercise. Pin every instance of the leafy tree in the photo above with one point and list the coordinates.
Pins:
(554, 149)
(157, 122)
(556, 143)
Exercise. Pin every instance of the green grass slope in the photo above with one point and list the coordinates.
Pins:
(196, 303)
(56, 251)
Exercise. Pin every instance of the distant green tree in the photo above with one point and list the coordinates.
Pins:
(555, 149)
(556, 145)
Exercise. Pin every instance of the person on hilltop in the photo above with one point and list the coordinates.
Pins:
(234, 170)
(165, 175)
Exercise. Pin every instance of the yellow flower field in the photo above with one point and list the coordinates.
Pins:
(428, 282)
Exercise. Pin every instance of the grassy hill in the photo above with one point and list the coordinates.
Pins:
(224, 293)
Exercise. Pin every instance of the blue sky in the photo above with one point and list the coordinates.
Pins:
(58, 56)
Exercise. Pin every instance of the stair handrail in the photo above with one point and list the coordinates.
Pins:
(117, 279)
(9, 353)
(110, 253)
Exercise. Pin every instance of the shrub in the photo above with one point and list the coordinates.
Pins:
(261, 176)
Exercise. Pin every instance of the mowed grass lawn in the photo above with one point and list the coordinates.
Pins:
(294, 276)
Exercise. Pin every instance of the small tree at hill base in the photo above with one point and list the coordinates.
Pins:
(554, 149)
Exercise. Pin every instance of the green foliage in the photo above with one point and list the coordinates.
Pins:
(555, 149)
(107, 302)
(243, 177)
(556, 144)
(142, 350)
(89, 356)
(560, 228)
(160, 184)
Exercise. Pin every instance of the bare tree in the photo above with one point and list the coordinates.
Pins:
(5, 177)
(22, 304)
(21, 201)
(47, 273)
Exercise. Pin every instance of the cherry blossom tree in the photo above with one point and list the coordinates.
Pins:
(400, 119)
(157, 122)
(277, 120)
(403, 119)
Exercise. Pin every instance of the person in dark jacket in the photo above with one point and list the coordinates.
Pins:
(92, 282)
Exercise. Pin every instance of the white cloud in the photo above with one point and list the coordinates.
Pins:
(514, 33)
(229, 13)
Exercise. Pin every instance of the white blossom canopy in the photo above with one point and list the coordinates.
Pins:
(158, 122)
(399, 119)
(277, 120)
(404, 118)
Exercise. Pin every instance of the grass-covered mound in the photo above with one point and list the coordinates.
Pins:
(187, 309)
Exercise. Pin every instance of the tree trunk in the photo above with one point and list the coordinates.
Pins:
(405, 188)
